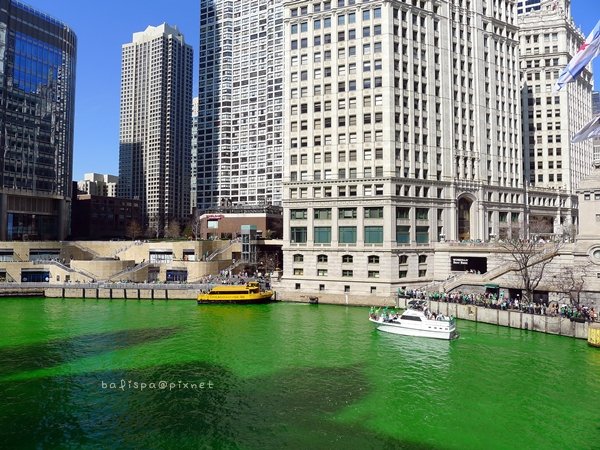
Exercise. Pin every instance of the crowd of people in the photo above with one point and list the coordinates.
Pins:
(505, 303)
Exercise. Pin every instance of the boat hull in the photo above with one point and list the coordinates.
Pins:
(396, 328)
(248, 299)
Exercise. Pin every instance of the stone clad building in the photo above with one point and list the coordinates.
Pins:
(548, 40)
(403, 130)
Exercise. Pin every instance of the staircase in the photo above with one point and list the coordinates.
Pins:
(130, 270)
(222, 250)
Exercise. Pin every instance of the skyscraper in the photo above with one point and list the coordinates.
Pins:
(240, 128)
(403, 129)
(596, 111)
(548, 40)
(37, 92)
(156, 116)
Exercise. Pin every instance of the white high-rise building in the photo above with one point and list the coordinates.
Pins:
(156, 115)
(99, 184)
(403, 129)
(548, 40)
(240, 129)
(596, 111)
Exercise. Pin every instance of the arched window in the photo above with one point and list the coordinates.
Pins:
(373, 259)
(298, 258)
(347, 259)
(322, 258)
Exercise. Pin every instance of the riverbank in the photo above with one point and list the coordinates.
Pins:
(154, 291)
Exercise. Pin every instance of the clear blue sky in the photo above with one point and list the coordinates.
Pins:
(102, 27)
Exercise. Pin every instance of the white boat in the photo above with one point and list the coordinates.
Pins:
(416, 321)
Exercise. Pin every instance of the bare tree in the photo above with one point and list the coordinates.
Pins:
(196, 224)
(154, 228)
(571, 282)
(134, 230)
(532, 257)
(172, 230)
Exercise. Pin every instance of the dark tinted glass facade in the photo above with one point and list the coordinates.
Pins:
(37, 93)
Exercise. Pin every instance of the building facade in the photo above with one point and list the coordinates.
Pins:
(103, 185)
(403, 129)
(106, 217)
(194, 154)
(240, 129)
(596, 111)
(36, 123)
(548, 40)
(155, 130)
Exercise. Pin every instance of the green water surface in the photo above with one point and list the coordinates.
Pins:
(282, 376)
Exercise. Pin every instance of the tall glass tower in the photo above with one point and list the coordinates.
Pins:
(37, 95)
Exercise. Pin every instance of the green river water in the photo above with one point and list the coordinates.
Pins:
(282, 375)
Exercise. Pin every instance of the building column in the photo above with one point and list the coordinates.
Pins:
(63, 219)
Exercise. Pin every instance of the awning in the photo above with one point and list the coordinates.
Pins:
(492, 286)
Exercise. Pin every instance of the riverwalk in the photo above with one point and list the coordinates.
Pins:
(507, 318)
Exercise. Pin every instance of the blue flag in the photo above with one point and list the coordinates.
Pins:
(587, 52)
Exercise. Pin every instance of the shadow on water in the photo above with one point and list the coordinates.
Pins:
(293, 408)
(47, 354)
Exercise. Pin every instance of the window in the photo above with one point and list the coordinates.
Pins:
(322, 235)
(373, 259)
(298, 214)
(422, 259)
(322, 258)
(347, 213)
(373, 274)
(298, 258)
(402, 273)
(402, 213)
(374, 213)
(347, 273)
(347, 259)
(298, 271)
(403, 234)
(347, 235)
(373, 235)
(422, 213)
(422, 235)
(297, 286)
(321, 272)
(403, 259)
(323, 214)
(298, 234)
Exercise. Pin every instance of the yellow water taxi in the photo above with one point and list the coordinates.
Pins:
(251, 292)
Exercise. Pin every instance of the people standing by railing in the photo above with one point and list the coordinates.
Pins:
(491, 300)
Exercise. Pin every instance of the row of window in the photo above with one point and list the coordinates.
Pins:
(367, 155)
(348, 235)
(349, 259)
(317, 7)
(347, 273)
(318, 106)
(369, 213)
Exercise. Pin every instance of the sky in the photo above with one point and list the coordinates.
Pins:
(101, 31)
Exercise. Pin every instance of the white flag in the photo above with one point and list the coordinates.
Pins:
(590, 131)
